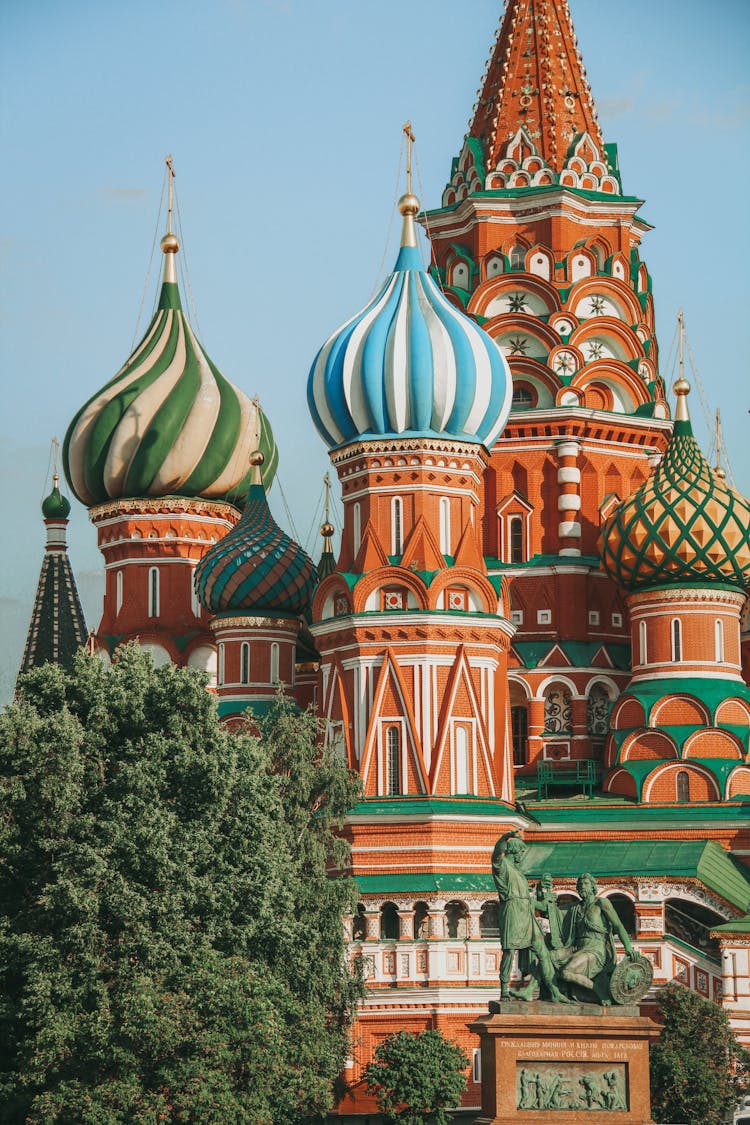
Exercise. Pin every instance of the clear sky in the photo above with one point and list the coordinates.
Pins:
(284, 120)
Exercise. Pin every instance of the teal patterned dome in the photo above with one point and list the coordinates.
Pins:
(256, 567)
(685, 524)
(169, 423)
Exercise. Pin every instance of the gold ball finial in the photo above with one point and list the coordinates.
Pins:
(257, 458)
(719, 472)
(408, 204)
(327, 530)
(682, 387)
(170, 244)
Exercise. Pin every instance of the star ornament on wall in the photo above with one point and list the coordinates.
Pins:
(595, 350)
(518, 345)
(516, 302)
(597, 306)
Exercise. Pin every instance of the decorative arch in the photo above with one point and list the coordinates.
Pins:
(627, 390)
(389, 576)
(712, 742)
(324, 598)
(738, 782)
(732, 711)
(703, 784)
(679, 710)
(473, 579)
(621, 782)
(627, 713)
(615, 290)
(648, 744)
(538, 289)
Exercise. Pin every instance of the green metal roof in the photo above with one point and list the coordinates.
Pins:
(592, 812)
(580, 653)
(740, 926)
(705, 861)
(712, 691)
(430, 806)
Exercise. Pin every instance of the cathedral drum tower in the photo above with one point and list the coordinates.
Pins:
(161, 457)
(536, 240)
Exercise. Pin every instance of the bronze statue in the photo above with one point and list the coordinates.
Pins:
(578, 955)
(519, 928)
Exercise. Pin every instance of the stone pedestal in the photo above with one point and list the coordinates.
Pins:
(554, 1064)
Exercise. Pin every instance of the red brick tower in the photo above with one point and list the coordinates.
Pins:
(537, 241)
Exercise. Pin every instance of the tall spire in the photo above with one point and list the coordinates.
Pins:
(327, 563)
(57, 627)
(170, 243)
(535, 80)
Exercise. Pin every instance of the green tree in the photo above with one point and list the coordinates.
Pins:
(697, 1067)
(171, 948)
(414, 1077)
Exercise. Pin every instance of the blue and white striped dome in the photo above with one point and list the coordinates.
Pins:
(409, 364)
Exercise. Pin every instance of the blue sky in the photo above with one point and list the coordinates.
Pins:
(284, 121)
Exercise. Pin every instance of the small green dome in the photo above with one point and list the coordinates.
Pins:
(55, 506)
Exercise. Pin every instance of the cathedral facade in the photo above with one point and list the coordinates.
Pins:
(534, 619)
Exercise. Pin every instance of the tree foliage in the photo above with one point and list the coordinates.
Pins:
(414, 1077)
(697, 1068)
(171, 948)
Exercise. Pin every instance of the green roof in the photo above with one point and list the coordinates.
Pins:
(697, 859)
(580, 653)
(739, 926)
(712, 691)
(414, 805)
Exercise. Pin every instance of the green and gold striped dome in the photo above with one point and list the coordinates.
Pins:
(685, 524)
(169, 423)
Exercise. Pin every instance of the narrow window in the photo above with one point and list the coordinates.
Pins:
(462, 760)
(221, 665)
(153, 591)
(396, 526)
(274, 663)
(643, 642)
(445, 525)
(357, 527)
(245, 663)
(676, 640)
(118, 591)
(515, 530)
(683, 787)
(719, 641)
(476, 1065)
(195, 604)
(519, 721)
(392, 761)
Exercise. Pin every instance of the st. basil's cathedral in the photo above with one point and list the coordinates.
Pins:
(535, 618)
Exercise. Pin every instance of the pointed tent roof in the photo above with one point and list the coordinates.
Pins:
(57, 628)
(535, 79)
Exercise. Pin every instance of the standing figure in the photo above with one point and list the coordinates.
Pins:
(519, 928)
(546, 904)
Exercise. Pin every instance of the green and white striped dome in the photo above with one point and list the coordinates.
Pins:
(169, 423)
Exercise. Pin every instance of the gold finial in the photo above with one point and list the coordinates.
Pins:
(326, 528)
(170, 243)
(256, 460)
(55, 462)
(408, 204)
(681, 387)
(719, 468)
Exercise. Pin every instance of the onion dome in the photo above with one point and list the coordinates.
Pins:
(169, 423)
(256, 567)
(685, 524)
(409, 364)
(56, 506)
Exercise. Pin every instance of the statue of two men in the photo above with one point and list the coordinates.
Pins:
(579, 951)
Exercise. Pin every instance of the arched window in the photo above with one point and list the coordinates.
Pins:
(719, 641)
(221, 665)
(515, 536)
(392, 761)
(118, 591)
(519, 721)
(195, 604)
(522, 399)
(643, 641)
(518, 257)
(397, 511)
(676, 640)
(683, 786)
(389, 922)
(457, 920)
(356, 527)
(489, 920)
(359, 923)
(558, 710)
(625, 910)
(421, 921)
(445, 525)
(153, 591)
(597, 711)
(274, 663)
(462, 760)
(244, 663)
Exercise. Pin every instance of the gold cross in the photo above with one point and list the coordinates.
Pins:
(410, 139)
(170, 165)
